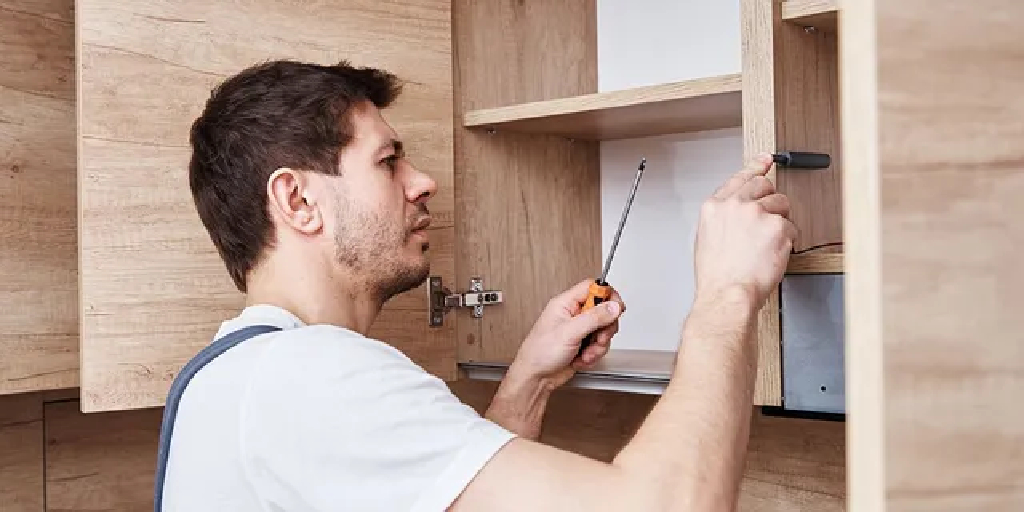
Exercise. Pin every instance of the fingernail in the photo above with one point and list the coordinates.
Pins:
(613, 307)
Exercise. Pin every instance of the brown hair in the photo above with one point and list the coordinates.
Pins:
(272, 115)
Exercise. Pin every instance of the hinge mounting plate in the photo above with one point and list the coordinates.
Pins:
(441, 300)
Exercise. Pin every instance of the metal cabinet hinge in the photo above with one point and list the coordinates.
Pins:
(441, 300)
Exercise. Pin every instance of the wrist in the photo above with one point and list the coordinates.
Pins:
(737, 298)
(520, 402)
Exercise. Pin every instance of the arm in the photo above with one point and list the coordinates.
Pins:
(520, 402)
(689, 452)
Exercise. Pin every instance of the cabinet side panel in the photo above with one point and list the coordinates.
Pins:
(153, 288)
(757, 22)
(951, 177)
(863, 284)
(528, 207)
(38, 258)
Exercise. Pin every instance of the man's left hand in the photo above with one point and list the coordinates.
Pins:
(549, 351)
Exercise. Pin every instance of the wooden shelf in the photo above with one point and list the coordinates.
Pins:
(815, 263)
(679, 107)
(822, 14)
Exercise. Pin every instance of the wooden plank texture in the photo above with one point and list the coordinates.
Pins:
(102, 461)
(759, 118)
(815, 263)
(529, 205)
(153, 288)
(694, 105)
(38, 256)
(21, 453)
(935, 262)
(862, 285)
(820, 14)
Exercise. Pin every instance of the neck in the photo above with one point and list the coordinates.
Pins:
(313, 294)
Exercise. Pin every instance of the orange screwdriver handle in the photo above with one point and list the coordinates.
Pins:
(597, 293)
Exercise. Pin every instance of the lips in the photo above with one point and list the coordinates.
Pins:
(421, 224)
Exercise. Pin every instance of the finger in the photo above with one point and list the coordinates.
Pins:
(791, 232)
(756, 188)
(591, 320)
(618, 298)
(593, 355)
(758, 166)
(602, 342)
(777, 204)
(576, 294)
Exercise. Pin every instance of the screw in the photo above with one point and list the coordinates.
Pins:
(491, 131)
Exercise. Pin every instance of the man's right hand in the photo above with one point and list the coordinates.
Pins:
(744, 236)
(689, 453)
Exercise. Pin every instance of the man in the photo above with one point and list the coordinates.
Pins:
(320, 219)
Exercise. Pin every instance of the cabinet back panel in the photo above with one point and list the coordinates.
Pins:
(153, 288)
(38, 253)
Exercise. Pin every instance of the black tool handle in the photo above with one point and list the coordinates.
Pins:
(802, 160)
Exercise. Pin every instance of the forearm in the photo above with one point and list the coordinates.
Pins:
(519, 403)
(692, 446)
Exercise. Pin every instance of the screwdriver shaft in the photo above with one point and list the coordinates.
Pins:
(622, 220)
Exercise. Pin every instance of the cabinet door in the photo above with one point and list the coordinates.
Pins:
(790, 103)
(38, 263)
(153, 289)
(529, 205)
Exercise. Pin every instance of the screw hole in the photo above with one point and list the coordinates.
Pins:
(823, 389)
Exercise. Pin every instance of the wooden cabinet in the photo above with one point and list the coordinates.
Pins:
(153, 290)
(504, 106)
(38, 259)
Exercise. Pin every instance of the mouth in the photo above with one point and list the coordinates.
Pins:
(421, 224)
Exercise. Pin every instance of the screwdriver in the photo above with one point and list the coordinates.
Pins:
(599, 290)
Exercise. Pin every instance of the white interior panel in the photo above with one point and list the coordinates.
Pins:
(647, 42)
(653, 265)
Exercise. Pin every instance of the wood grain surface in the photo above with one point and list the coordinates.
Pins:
(21, 453)
(153, 288)
(821, 14)
(529, 205)
(38, 256)
(757, 28)
(679, 107)
(934, 263)
(100, 461)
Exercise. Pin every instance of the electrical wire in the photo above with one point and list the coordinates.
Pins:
(816, 247)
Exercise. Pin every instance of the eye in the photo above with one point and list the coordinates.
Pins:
(390, 161)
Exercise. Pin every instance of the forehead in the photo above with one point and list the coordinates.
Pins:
(369, 128)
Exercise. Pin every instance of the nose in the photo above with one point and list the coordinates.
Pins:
(421, 186)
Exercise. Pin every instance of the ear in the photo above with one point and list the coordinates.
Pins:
(292, 200)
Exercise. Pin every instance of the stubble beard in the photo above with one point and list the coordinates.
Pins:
(373, 249)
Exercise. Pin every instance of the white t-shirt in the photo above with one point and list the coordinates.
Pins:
(318, 418)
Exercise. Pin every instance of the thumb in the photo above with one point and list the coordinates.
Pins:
(591, 320)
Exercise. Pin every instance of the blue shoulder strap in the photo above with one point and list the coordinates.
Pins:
(206, 355)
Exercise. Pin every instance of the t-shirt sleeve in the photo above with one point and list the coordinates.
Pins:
(339, 422)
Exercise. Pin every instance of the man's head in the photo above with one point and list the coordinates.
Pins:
(295, 160)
